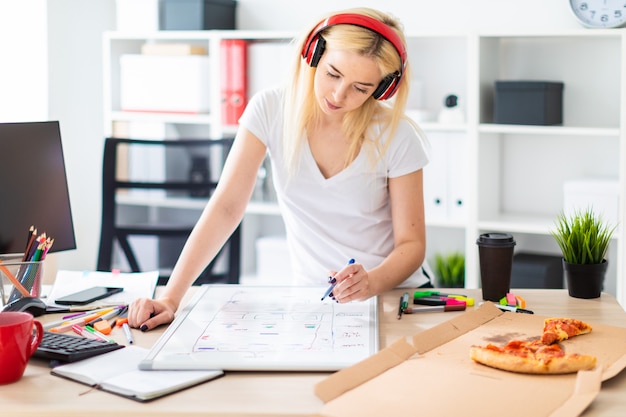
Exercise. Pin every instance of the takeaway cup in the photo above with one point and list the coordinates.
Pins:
(495, 252)
(18, 342)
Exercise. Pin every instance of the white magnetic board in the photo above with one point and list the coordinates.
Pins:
(254, 328)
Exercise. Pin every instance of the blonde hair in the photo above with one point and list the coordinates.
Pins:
(300, 107)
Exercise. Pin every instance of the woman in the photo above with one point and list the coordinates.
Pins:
(347, 169)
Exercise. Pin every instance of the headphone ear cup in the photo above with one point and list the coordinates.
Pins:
(319, 46)
(386, 88)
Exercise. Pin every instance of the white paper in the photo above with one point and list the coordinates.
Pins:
(136, 285)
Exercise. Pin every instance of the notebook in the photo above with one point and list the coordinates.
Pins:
(117, 372)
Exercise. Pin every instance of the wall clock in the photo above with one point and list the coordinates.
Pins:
(599, 13)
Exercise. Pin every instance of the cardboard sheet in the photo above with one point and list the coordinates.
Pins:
(434, 374)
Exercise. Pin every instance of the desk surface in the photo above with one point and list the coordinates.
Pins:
(280, 393)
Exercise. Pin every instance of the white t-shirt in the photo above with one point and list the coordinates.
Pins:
(329, 221)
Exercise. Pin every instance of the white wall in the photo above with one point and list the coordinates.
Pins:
(51, 69)
(416, 15)
(23, 61)
(75, 90)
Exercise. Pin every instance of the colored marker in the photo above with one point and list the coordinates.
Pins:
(98, 334)
(333, 281)
(404, 303)
(80, 321)
(513, 309)
(438, 301)
(430, 309)
(129, 336)
(81, 331)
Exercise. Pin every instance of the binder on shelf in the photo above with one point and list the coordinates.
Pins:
(445, 177)
(435, 179)
(234, 85)
(457, 176)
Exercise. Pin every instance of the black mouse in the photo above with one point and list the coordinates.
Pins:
(32, 305)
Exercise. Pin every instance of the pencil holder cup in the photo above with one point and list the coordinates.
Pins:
(19, 279)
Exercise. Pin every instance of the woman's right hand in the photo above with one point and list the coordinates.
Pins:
(146, 313)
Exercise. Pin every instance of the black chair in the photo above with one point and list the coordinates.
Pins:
(183, 178)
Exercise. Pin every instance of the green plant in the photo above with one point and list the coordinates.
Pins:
(450, 269)
(583, 237)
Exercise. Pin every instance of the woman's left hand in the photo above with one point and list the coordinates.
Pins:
(352, 284)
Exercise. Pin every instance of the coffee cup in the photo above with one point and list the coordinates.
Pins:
(18, 342)
(495, 253)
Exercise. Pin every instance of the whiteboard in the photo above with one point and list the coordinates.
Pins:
(266, 328)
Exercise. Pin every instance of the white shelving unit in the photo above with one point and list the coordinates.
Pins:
(201, 125)
(514, 174)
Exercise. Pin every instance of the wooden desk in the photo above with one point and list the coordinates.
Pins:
(280, 393)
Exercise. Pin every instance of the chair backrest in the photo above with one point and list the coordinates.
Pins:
(152, 194)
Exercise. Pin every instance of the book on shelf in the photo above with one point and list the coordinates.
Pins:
(117, 372)
(160, 48)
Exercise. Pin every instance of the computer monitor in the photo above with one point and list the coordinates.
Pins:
(33, 186)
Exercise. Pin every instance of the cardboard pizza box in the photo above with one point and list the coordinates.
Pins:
(433, 374)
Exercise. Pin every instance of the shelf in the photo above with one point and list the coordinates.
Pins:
(517, 223)
(162, 117)
(188, 203)
(176, 35)
(548, 130)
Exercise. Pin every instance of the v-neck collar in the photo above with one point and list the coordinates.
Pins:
(310, 161)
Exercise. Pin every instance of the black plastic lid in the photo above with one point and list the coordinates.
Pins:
(496, 239)
(529, 85)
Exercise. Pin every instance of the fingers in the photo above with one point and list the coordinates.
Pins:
(146, 314)
(352, 284)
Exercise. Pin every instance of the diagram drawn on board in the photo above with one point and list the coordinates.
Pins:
(234, 327)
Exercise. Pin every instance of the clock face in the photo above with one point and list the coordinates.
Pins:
(600, 13)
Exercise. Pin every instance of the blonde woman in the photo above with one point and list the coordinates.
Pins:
(346, 165)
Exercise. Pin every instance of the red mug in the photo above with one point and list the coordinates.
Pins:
(17, 344)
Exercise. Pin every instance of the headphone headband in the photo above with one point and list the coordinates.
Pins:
(315, 45)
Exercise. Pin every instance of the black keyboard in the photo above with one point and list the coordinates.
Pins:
(63, 347)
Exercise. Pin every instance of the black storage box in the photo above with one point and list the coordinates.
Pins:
(529, 103)
(196, 14)
(536, 271)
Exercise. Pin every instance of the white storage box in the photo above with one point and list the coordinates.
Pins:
(602, 195)
(164, 83)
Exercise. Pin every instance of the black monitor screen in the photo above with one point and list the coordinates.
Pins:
(33, 186)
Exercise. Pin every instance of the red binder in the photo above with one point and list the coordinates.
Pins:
(234, 75)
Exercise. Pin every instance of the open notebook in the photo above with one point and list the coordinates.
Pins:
(117, 372)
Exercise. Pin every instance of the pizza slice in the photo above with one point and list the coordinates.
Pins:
(532, 357)
(556, 330)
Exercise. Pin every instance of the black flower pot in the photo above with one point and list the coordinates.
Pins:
(585, 280)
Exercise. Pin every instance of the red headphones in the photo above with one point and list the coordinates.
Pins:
(315, 45)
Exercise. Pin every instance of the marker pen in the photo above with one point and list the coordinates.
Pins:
(333, 282)
(98, 334)
(81, 331)
(430, 309)
(129, 336)
(513, 309)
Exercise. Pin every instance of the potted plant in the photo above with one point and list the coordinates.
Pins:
(450, 270)
(584, 240)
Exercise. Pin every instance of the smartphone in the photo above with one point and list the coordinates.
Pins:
(88, 295)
